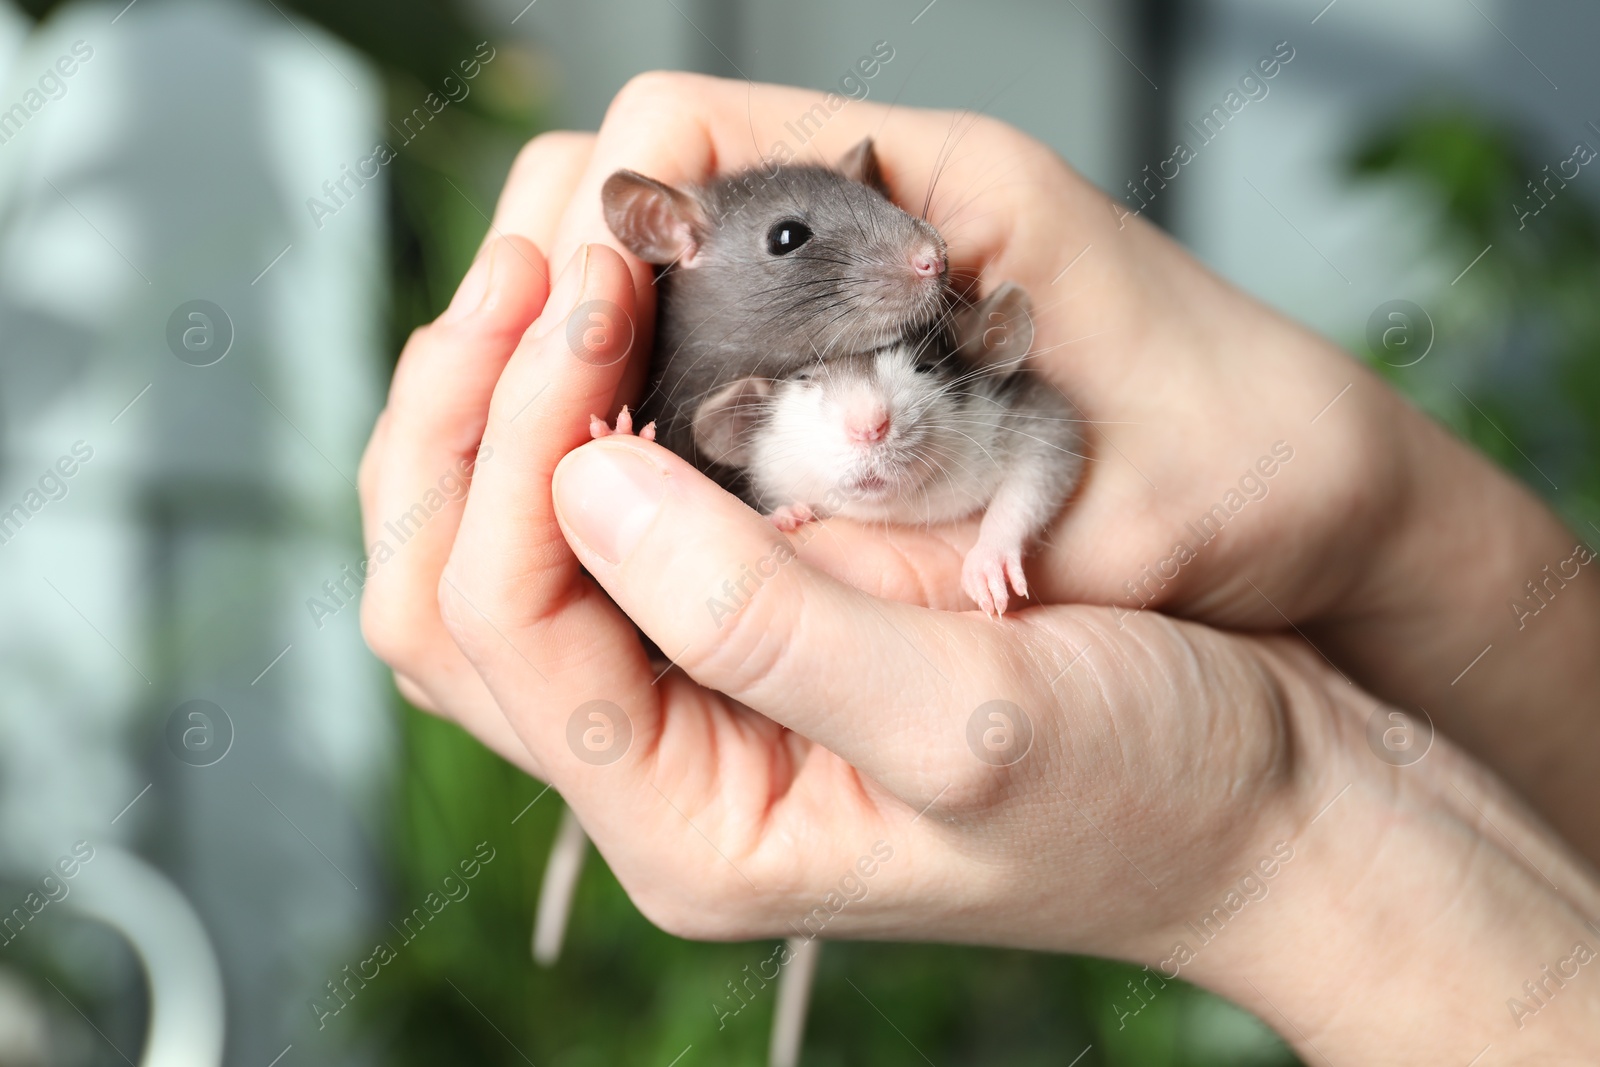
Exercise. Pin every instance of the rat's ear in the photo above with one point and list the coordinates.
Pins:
(860, 164)
(998, 330)
(726, 419)
(656, 222)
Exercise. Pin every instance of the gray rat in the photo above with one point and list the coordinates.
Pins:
(916, 432)
(769, 268)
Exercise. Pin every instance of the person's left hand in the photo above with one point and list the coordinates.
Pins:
(822, 761)
(806, 720)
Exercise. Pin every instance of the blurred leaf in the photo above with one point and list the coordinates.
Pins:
(1470, 166)
(1520, 378)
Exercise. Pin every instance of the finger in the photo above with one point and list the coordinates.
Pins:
(545, 639)
(539, 188)
(563, 372)
(720, 592)
(414, 477)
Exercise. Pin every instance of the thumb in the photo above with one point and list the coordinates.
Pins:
(722, 593)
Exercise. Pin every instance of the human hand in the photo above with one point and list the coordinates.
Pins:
(1245, 472)
(1423, 828)
(816, 746)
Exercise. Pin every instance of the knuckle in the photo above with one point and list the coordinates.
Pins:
(457, 614)
(1358, 493)
(1369, 447)
(973, 789)
(384, 635)
(1012, 136)
(651, 90)
(755, 646)
(1003, 734)
(546, 149)
(466, 610)
(371, 458)
(405, 369)
(713, 910)
(408, 387)
(417, 338)
(1010, 140)
(669, 913)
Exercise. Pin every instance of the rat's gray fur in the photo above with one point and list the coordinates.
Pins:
(728, 309)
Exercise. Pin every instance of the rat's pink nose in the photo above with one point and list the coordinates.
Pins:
(867, 427)
(927, 262)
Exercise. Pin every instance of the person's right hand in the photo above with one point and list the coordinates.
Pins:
(1390, 545)
(1062, 779)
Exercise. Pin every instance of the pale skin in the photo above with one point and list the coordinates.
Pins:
(827, 707)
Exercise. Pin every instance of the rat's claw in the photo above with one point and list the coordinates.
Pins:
(791, 517)
(599, 429)
(977, 580)
(1002, 592)
(988, 575)
(1019, 580)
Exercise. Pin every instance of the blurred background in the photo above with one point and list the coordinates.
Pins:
(202, 292)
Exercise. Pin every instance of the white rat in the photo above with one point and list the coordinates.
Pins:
(916, 433)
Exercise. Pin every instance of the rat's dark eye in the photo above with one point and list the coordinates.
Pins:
(927, 366)
(786, 236)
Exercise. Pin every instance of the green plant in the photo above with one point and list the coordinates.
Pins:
(1516, 365)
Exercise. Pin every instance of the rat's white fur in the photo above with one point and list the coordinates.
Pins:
(961, 440)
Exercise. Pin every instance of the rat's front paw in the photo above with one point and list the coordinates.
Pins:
(599, 429)
(985, 574)
(791, 517)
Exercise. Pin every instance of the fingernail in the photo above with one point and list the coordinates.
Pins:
(474, 287)
(608, 497)
(564, 296)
